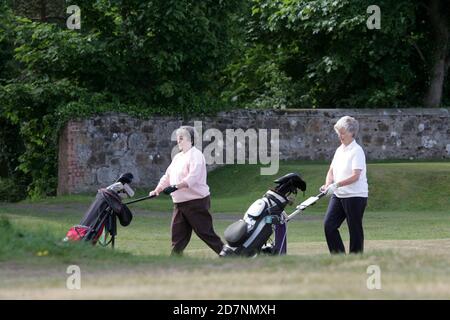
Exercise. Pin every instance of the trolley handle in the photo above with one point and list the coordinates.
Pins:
(302, 206)
(140, 199)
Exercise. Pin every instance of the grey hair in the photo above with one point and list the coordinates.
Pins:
(186, 131)
(350, 124)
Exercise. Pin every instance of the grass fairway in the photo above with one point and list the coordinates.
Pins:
(407, 231)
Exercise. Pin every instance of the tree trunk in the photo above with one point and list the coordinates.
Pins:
(440, 62)
(43, 10)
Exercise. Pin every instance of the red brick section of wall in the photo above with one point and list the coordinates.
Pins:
(70, 174)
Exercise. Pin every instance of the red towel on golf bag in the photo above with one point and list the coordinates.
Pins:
(77, 233)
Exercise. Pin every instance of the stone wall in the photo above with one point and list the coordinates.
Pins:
(93, 152)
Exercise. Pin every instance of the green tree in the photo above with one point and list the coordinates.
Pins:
(143, 58)
(322, 54)
(165, 55)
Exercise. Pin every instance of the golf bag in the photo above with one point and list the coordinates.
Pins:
(101, 217)
(250, 235)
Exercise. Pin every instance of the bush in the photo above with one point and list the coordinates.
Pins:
(12, 190)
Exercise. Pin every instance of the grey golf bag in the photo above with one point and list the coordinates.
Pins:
(101, 217)
(250, 235)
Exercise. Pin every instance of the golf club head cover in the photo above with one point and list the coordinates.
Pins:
(116, 187)
(126, 178)
(170, 189)
(289, 183)
(128, 190)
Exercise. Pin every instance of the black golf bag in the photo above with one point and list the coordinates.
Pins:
(100, 220)
(250, 235)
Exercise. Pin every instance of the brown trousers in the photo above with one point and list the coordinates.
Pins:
(193, 215)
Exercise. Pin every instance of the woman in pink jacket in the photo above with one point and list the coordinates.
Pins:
(185, 181)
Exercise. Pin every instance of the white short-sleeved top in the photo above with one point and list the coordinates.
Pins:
(345, 160)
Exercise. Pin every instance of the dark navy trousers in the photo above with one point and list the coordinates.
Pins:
(352, 210)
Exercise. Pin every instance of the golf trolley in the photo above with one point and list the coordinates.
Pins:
(250, 236)
(100, 220)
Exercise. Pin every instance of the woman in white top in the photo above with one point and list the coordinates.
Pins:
(346, 182)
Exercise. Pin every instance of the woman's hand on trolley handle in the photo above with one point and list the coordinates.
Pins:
(329, 189)
(154, 193)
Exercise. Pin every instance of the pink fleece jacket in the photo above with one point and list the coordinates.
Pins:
(189, 167)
